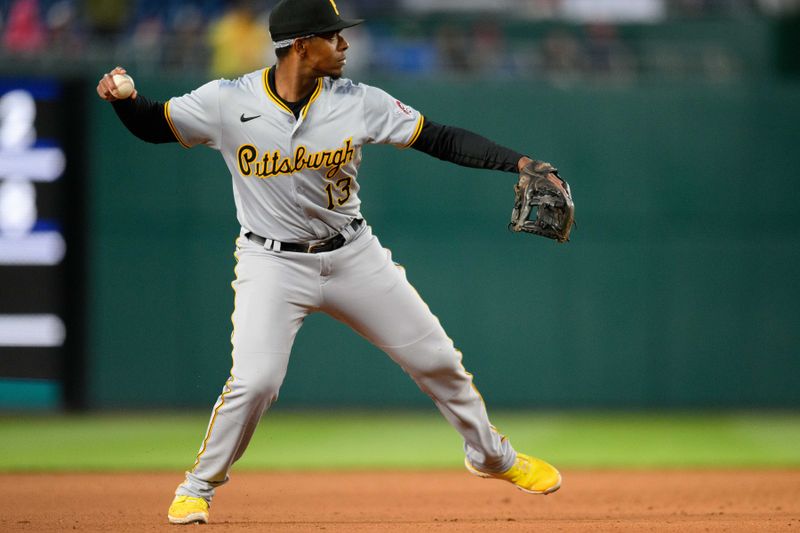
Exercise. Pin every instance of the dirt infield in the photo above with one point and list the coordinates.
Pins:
(412, 502)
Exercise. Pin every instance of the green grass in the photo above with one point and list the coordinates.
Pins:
(346, 440)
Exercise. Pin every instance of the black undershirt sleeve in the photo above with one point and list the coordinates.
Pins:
(145, 119)
(465, 148)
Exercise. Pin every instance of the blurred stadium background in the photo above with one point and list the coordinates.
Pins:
(676, 122)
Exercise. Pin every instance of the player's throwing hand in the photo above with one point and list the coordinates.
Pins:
(107, 89)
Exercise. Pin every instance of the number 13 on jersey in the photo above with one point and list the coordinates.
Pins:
(338, 192)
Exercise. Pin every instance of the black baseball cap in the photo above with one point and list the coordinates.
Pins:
(298, 18)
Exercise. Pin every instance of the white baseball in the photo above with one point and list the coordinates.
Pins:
(124, 85)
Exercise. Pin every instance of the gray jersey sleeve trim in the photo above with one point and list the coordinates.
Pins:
(415, 135)
(172, 125)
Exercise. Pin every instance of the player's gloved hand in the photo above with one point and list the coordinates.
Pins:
(540, 186)
(107, 89)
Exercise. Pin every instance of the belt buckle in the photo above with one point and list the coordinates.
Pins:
(314, 246)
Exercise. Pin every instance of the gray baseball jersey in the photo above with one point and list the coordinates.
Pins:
(294, 179)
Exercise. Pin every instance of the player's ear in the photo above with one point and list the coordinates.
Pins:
(300, 47)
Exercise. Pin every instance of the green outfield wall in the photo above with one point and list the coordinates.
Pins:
(679, 288)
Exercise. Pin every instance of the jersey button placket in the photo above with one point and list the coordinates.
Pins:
(294, 188)
(297, 179)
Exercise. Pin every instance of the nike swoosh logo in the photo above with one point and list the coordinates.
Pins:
(246, 119)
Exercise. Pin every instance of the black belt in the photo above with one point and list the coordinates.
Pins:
(329, 244)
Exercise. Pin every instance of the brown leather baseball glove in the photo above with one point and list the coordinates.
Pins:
(540, 186)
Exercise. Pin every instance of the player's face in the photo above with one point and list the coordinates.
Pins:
(326, 54)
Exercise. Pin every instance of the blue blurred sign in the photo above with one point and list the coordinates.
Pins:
(34, 210)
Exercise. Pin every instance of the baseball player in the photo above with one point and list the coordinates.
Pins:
(292, 136)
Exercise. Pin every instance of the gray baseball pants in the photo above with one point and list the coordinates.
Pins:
(359, 285)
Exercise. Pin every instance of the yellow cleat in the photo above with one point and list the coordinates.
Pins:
(529, 474)
(188, 510)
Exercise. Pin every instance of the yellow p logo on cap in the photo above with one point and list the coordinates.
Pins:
(336, 9)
